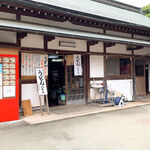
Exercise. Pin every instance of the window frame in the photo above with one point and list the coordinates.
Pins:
(120, 75)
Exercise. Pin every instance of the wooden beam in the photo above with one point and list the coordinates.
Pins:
(20, 35)
(134, 47)
(8, 44)
(18, 17)
(109, 44)
(46, 40)
(20, 87)
(91, 43)
(37, 50)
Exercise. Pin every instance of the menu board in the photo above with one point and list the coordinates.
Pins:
(7, 77)
(31, 62)
(70, 60)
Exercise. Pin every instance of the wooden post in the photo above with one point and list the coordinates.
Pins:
(88, 73)
(41, 105)
(47, 104)
(89, 43)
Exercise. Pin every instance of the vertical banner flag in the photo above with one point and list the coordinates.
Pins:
(42, 89)
(77, 65)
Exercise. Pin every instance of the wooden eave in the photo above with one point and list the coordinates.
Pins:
(62, 15)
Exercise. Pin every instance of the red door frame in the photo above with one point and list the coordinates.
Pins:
(9, 108)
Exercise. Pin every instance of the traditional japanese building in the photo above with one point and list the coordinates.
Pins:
(111, 38)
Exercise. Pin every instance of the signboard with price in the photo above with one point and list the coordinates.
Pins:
(77, 65)
(42, 89)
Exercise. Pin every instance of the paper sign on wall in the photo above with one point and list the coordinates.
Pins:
(29, 63)
(44, 63)
(1, 92)
(42, 89)
(77, 65)
(9, 91)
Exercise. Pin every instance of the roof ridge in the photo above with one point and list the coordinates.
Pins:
(121, 5)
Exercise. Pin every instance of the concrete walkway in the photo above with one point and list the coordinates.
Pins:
(66, 112)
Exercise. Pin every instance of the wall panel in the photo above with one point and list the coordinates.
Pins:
(96, 66)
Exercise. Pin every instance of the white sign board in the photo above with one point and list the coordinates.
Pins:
(9, 91)
(29, 91)
(77, 65)
(41, 82)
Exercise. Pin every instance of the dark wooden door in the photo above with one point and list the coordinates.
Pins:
(75, 92)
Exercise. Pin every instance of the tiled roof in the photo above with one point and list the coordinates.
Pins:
(98, 9)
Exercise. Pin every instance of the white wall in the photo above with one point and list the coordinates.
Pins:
(65, 24)
(118, 33)
(6, 36)
(7, 15)
(118, 48)
(97, 47)
(33, 41)
(96, 66)
(29, 91)
(141, 37)
(81, 45)
(143, 51)
(125, 87)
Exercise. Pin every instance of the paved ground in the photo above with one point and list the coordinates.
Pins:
(63, 112)
(120, 130)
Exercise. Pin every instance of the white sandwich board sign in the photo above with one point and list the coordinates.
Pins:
(41, 82)
(42, 89)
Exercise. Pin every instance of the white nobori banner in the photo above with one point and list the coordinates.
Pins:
(41, 82)
(77, 65)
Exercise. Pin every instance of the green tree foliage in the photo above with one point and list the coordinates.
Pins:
(146, 10)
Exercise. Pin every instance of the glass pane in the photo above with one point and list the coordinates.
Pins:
(112, 66)
(73, 97)
(73, 91)
(82, 96)
(69, 98)
(124, 66)
(81, 82)
(139, 70)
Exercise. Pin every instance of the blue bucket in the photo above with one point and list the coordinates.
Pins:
(117, 100)
(62, 97)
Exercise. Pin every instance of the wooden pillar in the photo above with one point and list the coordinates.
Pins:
(88, 73)
(105, 45)
(20, 36)
(105, 77)
(89, 43)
